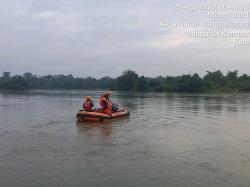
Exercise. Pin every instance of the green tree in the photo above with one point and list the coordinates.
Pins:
(17, 82)
(127, 81)
(216, 77)
(232, 75)
(142, 84)
(28, 76)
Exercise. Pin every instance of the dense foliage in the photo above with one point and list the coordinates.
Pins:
(129, 80)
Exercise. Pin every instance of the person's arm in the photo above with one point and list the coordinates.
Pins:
(110, 101)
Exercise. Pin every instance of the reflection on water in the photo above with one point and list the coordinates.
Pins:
(169, 140)
(98, 128)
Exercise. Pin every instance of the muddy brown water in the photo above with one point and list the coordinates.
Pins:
(196, 140)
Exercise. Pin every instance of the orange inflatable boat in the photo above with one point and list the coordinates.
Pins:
(84, 116)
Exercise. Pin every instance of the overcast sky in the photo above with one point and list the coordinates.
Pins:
(104, 37)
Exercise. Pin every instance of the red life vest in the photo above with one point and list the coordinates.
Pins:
(102, 100)
(106, 109)
(87, 105)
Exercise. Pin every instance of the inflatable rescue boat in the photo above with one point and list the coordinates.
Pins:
(84, 116)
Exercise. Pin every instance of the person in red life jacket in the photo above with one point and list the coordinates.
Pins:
(105, 103)
(88, 104)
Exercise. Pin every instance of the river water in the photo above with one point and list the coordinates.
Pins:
(179, 140)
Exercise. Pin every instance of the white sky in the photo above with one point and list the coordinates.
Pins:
(104, 37)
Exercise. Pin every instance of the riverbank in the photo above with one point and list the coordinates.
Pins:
(130, 81)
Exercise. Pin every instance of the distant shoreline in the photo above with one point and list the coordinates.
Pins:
(211, 82)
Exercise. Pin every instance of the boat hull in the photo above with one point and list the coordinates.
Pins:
(84, 116)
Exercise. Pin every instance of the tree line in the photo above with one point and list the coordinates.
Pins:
(130, 81)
